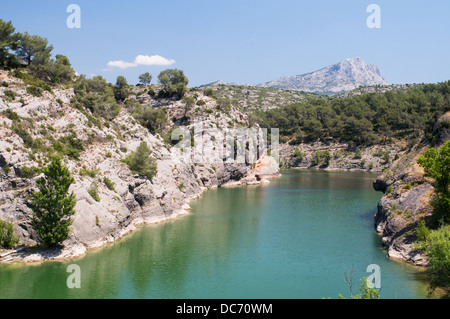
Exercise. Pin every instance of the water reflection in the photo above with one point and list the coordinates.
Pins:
(293, 238)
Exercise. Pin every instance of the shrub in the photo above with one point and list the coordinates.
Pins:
(109, 184)
(436, 244)
(315, 160)
(422, 231)
(7, 238)
(69, 145)
(209, 92)
(358, 153)
(140, 162)
(34, 90)
(153, 119)
(388, 190)
(89, 172)
(223, 104)
(151, 92)
(386, 156)
(28, 172)
(438, 250)
(298, 155)
(326, 158)
(12, 95)
(321, 158)
(13, 116)
(93, 191)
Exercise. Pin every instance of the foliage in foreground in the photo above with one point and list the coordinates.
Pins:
(365, 292)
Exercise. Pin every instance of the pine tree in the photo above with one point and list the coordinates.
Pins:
(53, 205)
(145, 78)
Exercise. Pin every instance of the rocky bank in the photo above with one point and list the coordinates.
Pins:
(133, 200)
(407, 194)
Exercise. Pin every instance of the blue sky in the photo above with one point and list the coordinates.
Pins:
(244, 41)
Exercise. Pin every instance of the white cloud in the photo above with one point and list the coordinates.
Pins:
(142, 60)
(152, 60)
(121, 64)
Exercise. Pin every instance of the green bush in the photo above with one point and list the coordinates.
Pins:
(209, 92)
(152, 118)
(422, 231)
(109, 184)
(140, 162)
(358, 153)
(151, 92)
(7, 238)
(436, 244)
(438, 250)
(11, 94)
(389, 190)
(93, 191)
(89, 172)
(224, 104)
(13, 116)
(69, 145)
(29, 79)
(321, 157)
(28, 172)
(298, 155)
(29, 142)
(200, 103)
(34, 90)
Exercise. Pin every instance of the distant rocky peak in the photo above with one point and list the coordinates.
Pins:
(341, 77)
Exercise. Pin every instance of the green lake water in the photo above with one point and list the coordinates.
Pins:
(293, 238)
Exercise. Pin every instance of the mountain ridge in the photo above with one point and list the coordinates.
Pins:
(341, 77)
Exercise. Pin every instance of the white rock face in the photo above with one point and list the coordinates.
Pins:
(133, 200)
(341, 77)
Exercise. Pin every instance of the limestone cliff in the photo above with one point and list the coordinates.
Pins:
(405, 203)
(30, 126)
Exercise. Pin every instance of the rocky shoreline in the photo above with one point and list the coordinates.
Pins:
(31, 125)
(406, 200)
(76, 247)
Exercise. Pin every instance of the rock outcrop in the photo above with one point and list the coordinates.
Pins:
(132, 200)
(406, 201)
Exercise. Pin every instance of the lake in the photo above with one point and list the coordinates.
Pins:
(293, 238)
